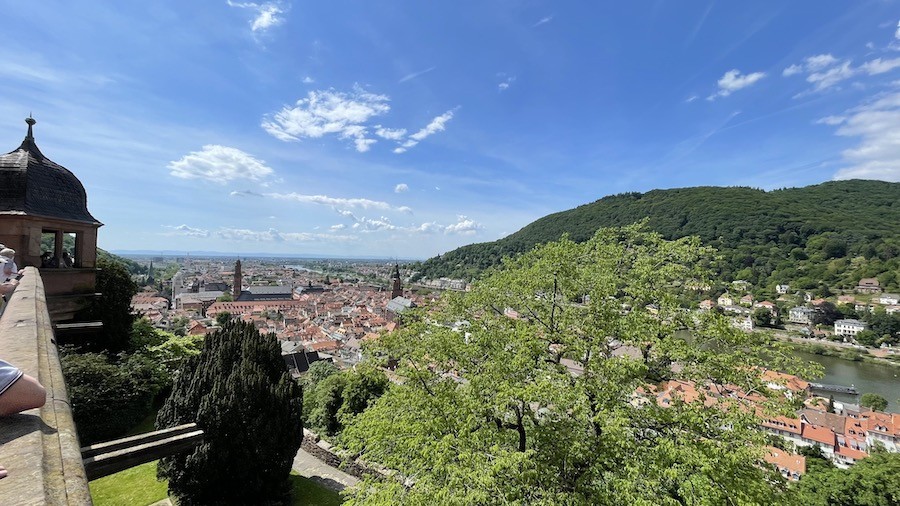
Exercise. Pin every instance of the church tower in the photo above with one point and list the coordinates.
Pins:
(238, 279)
(396, 288)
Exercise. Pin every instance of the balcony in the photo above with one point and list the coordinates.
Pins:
(39, 447)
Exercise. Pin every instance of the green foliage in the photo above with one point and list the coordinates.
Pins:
(490, 412)
(873, 481)
(112, 307)
(762, 317)
(333, 397)
(222, 318)
(109, 396)
(238, 390)
(764, 237)
(144, 335)
(174, 350)
(874, 402)
(867, 338)
(225, 297)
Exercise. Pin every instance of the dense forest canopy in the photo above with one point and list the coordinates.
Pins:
(832, 233)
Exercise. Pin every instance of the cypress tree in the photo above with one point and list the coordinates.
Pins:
(239, 392)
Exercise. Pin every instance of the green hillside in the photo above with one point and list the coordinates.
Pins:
(831, 233)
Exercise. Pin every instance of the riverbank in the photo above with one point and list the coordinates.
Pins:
(828, 348)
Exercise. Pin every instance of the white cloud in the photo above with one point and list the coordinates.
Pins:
(897, 32)
(219, 164)
(266, 15)
(392, 134)
(543, 21)
(820, 61)
(273, 235)
(308, 80)
(831, 76)
(733, 81)
(877, 125)
(691, 99)
(505, 84)
(879, 66)
(186, 231)
(339, 226)
(463, 226)
(335, 202)
(414, 75)
(400, 188)
(824, 71)
(329, 112)
(438, 124)
(244, 193)
(831, 120)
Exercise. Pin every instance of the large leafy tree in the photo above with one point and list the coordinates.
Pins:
(239, 392)
(873, 481)
(519, 391)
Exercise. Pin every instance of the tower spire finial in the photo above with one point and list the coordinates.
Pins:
(31, 121)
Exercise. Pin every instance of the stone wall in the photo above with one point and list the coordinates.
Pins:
(38, 447)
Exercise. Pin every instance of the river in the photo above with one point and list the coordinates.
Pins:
(880, 379)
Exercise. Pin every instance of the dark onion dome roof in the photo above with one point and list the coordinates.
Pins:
(33, 185)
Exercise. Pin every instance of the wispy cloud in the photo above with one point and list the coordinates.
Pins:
(438, 124)
(733, 81)
(185, 230)
(400, 188)
(336, 202)
(506, 83)
(543, 21)
(219, 164)
(875, 124)
(329, 112)
(266, 15)
(824, 71)
(393, 134)
(463, 225)
(409, 77)
(308, 80)
(273, 235)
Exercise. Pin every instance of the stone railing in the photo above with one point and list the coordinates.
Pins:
(38, 447)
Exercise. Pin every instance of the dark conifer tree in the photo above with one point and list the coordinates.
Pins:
(239, 392)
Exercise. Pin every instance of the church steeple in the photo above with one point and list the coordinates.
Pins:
(238, 279)
(396, 288)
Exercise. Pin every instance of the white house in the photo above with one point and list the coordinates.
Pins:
(801, 315)
(889, 299)
(725, 300)
(849, 327)
(782, 289)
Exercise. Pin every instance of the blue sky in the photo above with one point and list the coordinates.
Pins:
(407, 128)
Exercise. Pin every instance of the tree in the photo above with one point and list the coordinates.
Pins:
(144, 335)
(110, 396)
(488, 409)
(225, 297)
(761, 317)
(867, 338)
(222, 318)
(112, 307)
(830, 407)
(874, 402)
(872, 481)
(239, 392)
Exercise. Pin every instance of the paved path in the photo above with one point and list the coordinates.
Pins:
(322, 473)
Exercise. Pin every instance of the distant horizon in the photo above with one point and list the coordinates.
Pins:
(220, 254)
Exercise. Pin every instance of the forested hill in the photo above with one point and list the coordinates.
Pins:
(801, 235)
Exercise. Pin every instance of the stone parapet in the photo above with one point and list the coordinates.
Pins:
(39, 447)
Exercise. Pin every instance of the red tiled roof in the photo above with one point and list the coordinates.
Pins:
(785, 460)
(817, 434)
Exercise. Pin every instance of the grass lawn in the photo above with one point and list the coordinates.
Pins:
(138, 487)
(132, 487)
